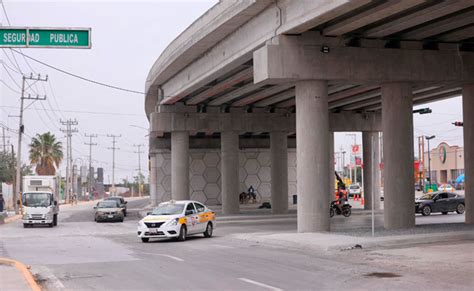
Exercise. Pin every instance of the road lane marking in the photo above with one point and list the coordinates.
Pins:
(164, 255)
(260, 284)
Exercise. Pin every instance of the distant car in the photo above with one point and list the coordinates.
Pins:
(121, 201)
(446, 188)
(354, 189)
(381, 195)
(108, 211)
(177, 219)
(439, 202)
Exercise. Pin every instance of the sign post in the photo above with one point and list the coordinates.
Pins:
(34, 37)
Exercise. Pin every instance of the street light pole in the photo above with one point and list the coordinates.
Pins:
(428, 138)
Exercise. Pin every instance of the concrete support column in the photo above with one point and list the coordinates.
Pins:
(230, 172)
(279, 171)
(397, 124)
(376, 165)
(180, 165)
(312, 148)
(369, 153)
(332, 176)
(468, 119)
(153, 180)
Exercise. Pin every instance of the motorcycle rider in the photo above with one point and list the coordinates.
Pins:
(341, 193)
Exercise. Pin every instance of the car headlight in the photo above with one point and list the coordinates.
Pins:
(25, 216)
(172, 222)
(141, 223)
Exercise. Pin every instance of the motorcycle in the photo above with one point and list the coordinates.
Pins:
(346, 209)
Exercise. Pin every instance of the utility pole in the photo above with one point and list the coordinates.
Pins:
(428, 138)
(139, 169)
(22, 128)
(69, 130)
(113, 148)
(4, 137)
(91, 174)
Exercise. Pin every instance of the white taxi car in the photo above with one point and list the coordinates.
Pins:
(177, 219)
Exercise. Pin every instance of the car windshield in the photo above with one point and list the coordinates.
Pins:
(426, 197)
(168, 209)
(37, 199)
(107, 204)
(354, 187)
(113, 199)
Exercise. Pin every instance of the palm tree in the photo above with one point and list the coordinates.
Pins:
(46, 153)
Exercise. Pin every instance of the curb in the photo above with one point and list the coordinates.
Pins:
(367, 243)
(11, 219)
(24, 271)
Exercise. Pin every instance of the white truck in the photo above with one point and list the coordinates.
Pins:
(40, 200)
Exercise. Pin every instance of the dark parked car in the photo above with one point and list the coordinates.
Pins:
(443, 202)
(121, 201)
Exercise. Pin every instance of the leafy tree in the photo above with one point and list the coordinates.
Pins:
(45, 153)
(8, 167)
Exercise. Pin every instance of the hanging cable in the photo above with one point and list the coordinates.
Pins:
(77, 76)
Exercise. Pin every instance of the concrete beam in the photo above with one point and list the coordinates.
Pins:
(428, 14)
(458, 35)
(379, 12)
(276, 98)
(300, 58)
(241, 76)
(227, 98)
(302, 15)
(255, 122)
(256, 142)
(441, 26)
(262, 95)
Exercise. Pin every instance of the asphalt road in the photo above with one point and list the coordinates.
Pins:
(82, 254)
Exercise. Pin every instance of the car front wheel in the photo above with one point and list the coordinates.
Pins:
(460, 208)
(426, 210)
(145, 239)
(182, 233)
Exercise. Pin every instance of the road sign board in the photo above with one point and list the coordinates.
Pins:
(24, 37)
(355, 149)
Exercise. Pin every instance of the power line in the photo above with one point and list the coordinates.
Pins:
(11, 89)
(77, 76)
(5, 11)
(84, 112)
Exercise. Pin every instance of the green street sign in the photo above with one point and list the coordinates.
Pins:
(33, 37)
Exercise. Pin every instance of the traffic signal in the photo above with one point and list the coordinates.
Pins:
(458, 123)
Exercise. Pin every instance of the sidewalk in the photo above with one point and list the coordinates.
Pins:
(15, 275)
(425, 234)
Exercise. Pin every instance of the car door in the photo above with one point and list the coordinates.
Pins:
(192, 221)
(452, 202)
(202, 222)
(442, 202)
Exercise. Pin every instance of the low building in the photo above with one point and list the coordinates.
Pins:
(447, 163)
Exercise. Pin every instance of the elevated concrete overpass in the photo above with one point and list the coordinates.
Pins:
(287, 74)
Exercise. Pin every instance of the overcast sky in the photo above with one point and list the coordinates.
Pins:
(127, 37)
